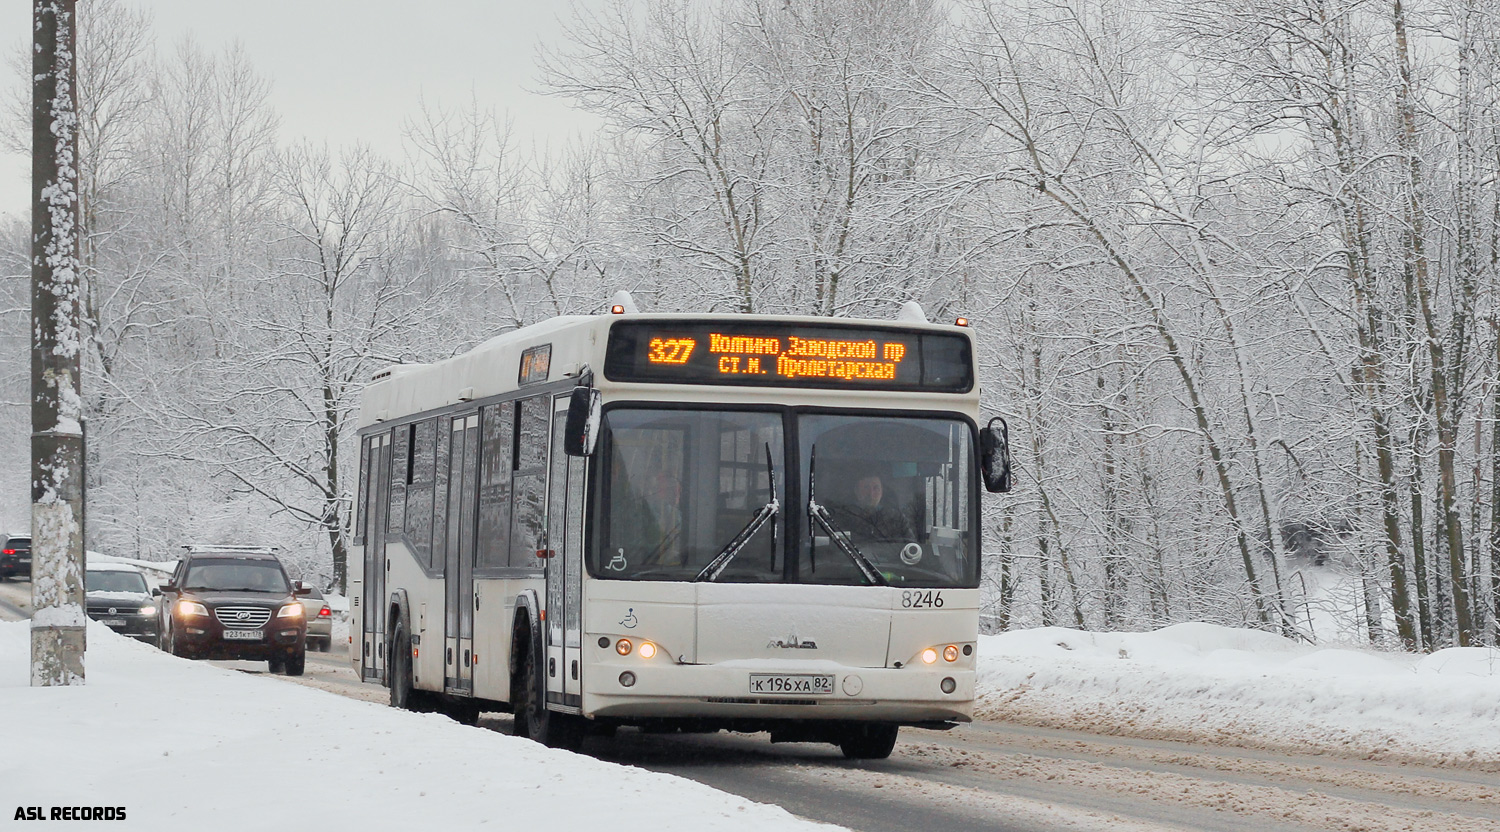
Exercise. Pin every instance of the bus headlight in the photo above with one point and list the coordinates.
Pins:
(929, 656)
(950, 653)
(623, 647)
(647, 650)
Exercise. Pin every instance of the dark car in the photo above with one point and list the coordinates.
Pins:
(119, 598)
(15, 558)
(234, 603)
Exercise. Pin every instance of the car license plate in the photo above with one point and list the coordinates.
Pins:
(243, 635)
(112, 622)
(791, 683)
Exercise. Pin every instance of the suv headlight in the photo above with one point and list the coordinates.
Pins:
(292, 610)
(186, 608)
(148, 610)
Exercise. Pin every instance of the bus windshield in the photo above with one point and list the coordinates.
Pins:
(682, 485)
(888, 501)
(706, 495)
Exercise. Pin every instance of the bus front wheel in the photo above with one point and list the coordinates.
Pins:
(869, 741)
(533, 720)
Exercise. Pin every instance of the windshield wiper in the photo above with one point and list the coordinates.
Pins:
(840, 539)
(772, 507)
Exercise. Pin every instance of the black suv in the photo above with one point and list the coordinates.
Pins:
(228, 602)
(15, 558)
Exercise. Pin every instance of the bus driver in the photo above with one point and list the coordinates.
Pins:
(873, 516)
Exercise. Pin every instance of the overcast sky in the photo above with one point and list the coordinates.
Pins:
(351, 70)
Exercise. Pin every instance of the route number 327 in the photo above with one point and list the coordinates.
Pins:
(920, 600)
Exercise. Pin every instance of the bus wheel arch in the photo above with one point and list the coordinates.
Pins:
(528, 685)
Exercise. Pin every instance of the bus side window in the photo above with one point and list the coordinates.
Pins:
(497, 426)
(396, 522)
(440, 494)
(419, 492)
(530, 481)
(361, 510)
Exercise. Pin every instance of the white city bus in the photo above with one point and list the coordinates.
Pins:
(698, 522)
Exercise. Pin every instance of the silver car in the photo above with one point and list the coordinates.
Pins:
(319, 621)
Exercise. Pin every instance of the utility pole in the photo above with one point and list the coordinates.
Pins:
(57, 621)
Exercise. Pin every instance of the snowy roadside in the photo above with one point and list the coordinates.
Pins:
(179, 744)
(1211, 684)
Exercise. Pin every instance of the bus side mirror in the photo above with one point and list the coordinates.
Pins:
(994, 456)
(582, 428)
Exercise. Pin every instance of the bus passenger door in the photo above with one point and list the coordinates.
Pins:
(458, 567)
(564, 572)
(372, 598)
(572, 554)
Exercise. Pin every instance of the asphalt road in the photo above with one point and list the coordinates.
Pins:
(1010, 778)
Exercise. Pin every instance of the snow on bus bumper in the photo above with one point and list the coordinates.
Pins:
(728, 690)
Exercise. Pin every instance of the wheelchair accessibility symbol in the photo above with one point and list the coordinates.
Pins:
(629, 621)
(618, 562)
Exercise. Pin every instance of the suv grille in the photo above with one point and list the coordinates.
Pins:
(242, 617)
(118, 609)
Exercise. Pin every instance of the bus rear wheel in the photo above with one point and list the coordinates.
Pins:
(404, 694)
(869, 741)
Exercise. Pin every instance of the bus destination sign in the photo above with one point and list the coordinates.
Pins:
(788, 355)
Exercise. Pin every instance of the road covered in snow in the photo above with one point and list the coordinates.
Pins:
(1190, 728)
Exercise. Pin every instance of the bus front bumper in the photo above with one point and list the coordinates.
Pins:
(912, 694)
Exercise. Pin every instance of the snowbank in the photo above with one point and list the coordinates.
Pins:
(1249, 688)
(184, 745)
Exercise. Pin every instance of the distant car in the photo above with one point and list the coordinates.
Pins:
(119, 598)
(319, 621)
(234, 602)
(15, 558)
